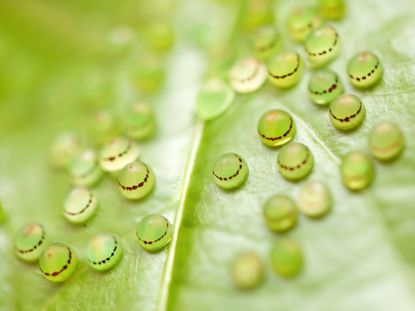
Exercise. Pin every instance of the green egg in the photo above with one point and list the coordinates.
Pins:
(160, 36)
(357, 170)
(117, 154)
(230, 171)
(247, 270)
(104, 126)
(57, 262)
(324, 86)
(139, 121)
(315, 199)
(80, 205)
(266, 42)
(136, 180)
(295, 161)
(322, 45)
(214, 98)
(347, 112)
(286, 257)
(30, 241)
(331, 9)
(280, 213)
(154, 232)
(386, 141)
(118, 43)
(97, 89)
(65, 148)
(247, 75)
(276, 128)
(285, 69)
(149, 73)
(258, 13)
(364, 70)
(302, 21)
(85, 169)
(103, 252)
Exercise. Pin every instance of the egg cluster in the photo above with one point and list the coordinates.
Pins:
(268, 56)
(113, 152)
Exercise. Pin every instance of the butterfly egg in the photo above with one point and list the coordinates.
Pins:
(213, 99)
(80, 205)
(117, 154)
(103, 251)
(159, 36)
(331, 9)
(85, 169)
(276, 128)
(302, 20)
(64, 149)
(154, 232)
(247, 270)
(280, 213)
(119, 41)
(30, 241)
(324, 86)
(357, 170)
(364, 70)
(139, 121)
(57, 262)
(266, 42)
(257, 14)
(286, 257)
(386, 141)
(149, 73)
(247, 75)
(285, 69)
(347, 112)
(315, 199)
(230, 171)
(98, 89)
(322, 45)
(136, 180)
(104, 126)
(295, 161)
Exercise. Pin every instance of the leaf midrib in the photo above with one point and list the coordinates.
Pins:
(162, 301)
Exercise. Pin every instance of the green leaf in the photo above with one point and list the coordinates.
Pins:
(359, 257)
